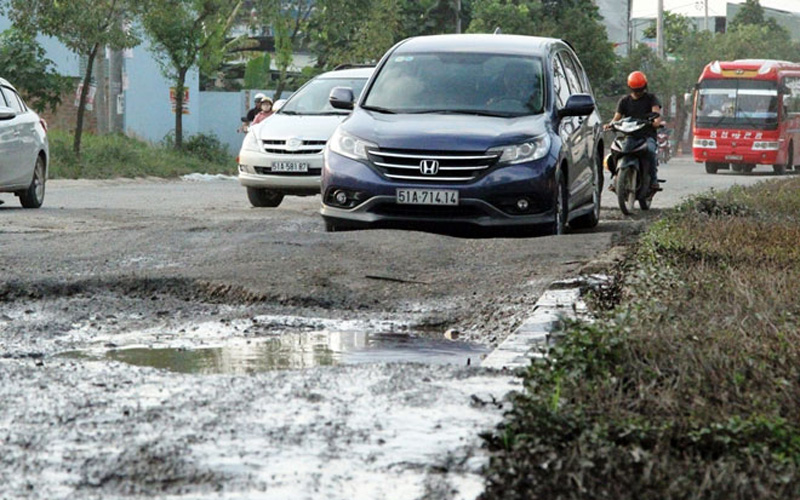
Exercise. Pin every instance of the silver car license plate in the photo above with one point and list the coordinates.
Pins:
(427, 197)
(289, 166)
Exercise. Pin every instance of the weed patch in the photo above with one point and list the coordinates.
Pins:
(116, 155)
(689, 387)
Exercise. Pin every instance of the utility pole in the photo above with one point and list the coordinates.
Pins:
(458, 16)
(706, 15)
(630, 27)
(660, 30)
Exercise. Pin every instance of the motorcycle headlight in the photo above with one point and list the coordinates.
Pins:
(250, 142)
(349, 145)
(534, 149)
(630, 127)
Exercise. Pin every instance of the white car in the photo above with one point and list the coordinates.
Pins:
(24, 150)
(282, 155)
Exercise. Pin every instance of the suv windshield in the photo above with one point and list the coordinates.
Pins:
(312, 98)
(491, 84)
(737, 103)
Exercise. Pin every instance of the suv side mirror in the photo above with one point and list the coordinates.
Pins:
(278, 104)
(7, 113)
(577, 105)
(342, 98)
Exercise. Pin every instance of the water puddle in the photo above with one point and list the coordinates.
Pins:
(293, 351)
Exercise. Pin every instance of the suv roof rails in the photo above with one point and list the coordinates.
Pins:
(351, 66)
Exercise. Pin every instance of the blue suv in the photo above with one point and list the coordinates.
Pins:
(491, 130)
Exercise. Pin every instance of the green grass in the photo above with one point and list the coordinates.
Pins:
(688, 386)
(111, 156)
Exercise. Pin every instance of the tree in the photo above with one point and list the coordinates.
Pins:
(676, 29)
(752, 14)
(26, 67)
(576, 21)
(84, 26)
(256, 72)
(185, 34)
(288, 20)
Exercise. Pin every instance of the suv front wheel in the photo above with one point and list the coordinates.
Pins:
(264, 197)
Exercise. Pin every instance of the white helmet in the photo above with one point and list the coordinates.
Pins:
(259, 97)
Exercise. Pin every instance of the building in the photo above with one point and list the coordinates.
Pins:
(712, 15)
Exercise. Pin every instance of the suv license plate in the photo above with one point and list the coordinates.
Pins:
(289, 166)
(427, 197)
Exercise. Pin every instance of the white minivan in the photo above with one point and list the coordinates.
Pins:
(282, 155)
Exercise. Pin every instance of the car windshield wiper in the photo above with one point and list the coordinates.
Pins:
(288, 112)
(476, 112)
(379, 109)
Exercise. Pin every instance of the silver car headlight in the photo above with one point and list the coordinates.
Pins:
(534, 149)
(251, 143)
(349, 145)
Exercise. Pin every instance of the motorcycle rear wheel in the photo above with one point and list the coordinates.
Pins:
(626, 189)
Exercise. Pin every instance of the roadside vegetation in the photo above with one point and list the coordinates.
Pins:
(688, 384)
(115, 155)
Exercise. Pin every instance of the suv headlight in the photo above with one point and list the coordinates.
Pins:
(349, 145)
(250, 143)
(534, 149)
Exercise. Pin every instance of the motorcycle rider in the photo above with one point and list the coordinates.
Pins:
(639, 104)
(251, 113)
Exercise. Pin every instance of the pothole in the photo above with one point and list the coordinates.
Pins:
(292, 351)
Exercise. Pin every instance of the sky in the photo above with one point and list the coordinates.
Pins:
(696, 8)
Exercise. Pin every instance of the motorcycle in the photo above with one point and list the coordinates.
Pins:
(628, 163)
(664, 147)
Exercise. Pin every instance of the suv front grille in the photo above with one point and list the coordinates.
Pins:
(431, 166)
(279, 147)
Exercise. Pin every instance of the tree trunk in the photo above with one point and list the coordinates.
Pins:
(281, 83)
(179, 108)
(87, 78)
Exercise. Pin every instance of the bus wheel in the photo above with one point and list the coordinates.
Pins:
(711, 168)
(781, 169)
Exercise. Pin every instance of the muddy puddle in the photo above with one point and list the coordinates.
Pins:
(291, 351)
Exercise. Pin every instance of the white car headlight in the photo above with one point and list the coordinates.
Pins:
(534, 149)
(349, 145)
(250, 142)
(704, 143)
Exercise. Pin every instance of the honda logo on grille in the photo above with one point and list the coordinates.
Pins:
(429, 167)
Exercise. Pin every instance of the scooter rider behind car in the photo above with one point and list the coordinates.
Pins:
(641, 104)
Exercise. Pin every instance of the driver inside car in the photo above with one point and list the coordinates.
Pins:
(518, 89)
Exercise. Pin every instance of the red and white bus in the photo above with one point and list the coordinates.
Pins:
(747, 113)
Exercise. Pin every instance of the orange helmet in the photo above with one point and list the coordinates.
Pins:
(637, 81)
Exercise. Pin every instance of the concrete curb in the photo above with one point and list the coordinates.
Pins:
(561, 300)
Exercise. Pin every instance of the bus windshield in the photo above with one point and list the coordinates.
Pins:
(737, 103)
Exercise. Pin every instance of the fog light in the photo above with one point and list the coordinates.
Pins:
(523, 205)
(340, 197)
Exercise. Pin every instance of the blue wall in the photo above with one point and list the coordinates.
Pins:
(148, 112)
(221, 114)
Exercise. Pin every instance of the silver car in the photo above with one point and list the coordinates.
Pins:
(282, 155)
(24, 150)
